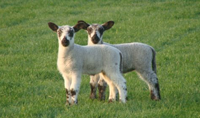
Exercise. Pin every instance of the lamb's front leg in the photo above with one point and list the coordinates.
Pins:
(74, 88)
(67, 83)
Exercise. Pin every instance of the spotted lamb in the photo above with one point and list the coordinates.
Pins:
(75, 60)
(136, 56)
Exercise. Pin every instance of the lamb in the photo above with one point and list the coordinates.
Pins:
(136, 56)
(75, 60)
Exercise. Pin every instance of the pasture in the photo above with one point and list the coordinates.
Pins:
(31, 86)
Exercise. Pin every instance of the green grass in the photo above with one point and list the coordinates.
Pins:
(31, 86)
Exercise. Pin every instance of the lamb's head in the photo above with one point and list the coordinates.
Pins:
(65, 33)
(95, 31)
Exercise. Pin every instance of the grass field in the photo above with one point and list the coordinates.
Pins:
(31, 86)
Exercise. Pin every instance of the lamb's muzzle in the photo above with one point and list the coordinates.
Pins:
(65, 42)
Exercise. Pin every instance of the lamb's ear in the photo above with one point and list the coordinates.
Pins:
(53, 26)
(108, 25)
(83, 24)
(80, 25)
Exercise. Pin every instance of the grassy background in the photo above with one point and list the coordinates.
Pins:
(31, 86)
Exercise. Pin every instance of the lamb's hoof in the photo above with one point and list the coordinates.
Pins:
(67, 104)
(153, 96)
(71, 104)
(122, 101)
(101, 96)
(155, 99)
(92, 96)
(111, 100)
(75, 102)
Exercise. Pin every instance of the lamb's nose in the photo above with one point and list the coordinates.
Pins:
(95, 39)
(65, 42)
(65, 38)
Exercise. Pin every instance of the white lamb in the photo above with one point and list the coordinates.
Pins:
(75, 60)
(136, 56)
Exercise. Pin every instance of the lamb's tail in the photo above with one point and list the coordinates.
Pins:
(154, 60)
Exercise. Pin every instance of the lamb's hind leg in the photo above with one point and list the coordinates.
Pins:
(152, 81)
(102, 88)
(120, 83)
(116, 80)
(112, 87)
(93, 85)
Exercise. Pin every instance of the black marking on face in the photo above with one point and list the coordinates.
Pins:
(101, 30)
(95, 39)
(95, 28)
(65, 42)
(71, 32)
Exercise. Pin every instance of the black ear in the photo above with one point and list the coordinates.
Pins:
(53, 26)
(83, 24)
(108, 25)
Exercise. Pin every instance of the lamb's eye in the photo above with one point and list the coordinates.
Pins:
(89, 30)
(71, 33)
(101, 30)
(59, 33)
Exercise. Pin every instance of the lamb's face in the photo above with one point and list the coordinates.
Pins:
(95, 33)
(66, 35)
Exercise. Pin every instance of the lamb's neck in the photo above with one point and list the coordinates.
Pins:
(64, 52)
(89, 41)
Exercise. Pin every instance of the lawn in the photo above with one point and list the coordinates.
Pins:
(31, 86)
